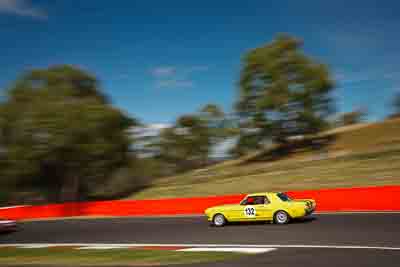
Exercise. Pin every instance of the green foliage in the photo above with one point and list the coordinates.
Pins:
(123, 181)
(58, 131)
(246, 144)
(286, 90)
(187, 144)
(65, 79)
(212, 111)
(218, 124)
(353, 117)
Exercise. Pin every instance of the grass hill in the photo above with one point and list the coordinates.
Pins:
(358, 155)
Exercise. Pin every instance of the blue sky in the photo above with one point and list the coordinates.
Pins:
(159, 59)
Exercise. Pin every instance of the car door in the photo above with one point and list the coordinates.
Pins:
(256, 208)
(265, 209)
(235, 213)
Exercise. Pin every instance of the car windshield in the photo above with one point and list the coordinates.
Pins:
(284, 197)
(244, 201)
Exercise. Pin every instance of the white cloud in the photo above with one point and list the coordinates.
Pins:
(21, 8)
(174, 77)
(174, 83)
(392, 75)
(158, 126)
(163, 71)
(149, 129)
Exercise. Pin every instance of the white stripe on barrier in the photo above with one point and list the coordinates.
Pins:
(12, 207)
(34, 246)
(228, 249)
(135, 245)
(103, 247)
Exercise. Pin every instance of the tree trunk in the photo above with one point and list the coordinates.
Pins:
(70, 189)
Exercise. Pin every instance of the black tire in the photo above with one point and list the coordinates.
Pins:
(219, 220)
(281, 217)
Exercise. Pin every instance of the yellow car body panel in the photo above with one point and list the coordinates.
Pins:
(274, 202)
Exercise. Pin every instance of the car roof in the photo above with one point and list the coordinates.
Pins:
(260, 194)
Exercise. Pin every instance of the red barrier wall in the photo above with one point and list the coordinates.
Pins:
(328, 200)
(380, 198)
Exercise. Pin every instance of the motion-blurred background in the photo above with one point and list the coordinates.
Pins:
(150, 99)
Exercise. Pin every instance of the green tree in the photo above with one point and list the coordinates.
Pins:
(215, 119)
(286, 92)
(212, 111)
(353, 117)
(246, 143)
(252, 135)
(187, 144)
(60, 133)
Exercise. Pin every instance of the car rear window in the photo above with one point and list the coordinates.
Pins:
(283, 197)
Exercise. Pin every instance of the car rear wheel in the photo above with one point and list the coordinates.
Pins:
(219, 220)
(281, 217)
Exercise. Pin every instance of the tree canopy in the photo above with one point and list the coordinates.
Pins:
(284, 91)
(59, 130)
(352, 117)
(187, 144)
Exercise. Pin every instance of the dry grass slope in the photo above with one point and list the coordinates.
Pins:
(360, 155)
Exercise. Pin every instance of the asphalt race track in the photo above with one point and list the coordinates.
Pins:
(338, 235)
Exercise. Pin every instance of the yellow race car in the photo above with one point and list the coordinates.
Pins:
(276, 207)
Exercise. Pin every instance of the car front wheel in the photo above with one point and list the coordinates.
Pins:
(281, 217)
(219, 220)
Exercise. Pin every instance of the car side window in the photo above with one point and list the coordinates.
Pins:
(255, 200)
